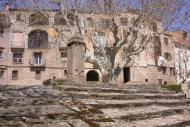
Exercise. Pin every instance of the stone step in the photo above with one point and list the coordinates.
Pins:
(141, 113)
(122, 96)
(139, 87)
(105, 85)
(114, 90)
(178, 120)
(33, 111)
(133, 103)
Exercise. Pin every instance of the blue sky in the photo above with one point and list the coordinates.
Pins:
(27, 4)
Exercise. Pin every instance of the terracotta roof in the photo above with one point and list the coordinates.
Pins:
(185, 43)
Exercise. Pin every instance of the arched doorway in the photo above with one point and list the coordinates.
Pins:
(126, 74)
(38, 39)
(92, 76)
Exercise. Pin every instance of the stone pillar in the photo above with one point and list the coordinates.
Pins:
(76, 59)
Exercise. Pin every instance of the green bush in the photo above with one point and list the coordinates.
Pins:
(47, 82)
(55, 82)
(61, 80)
(172, 87)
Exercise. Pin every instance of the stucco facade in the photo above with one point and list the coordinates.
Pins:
(147, 67)
(4, 49)
(27, 64)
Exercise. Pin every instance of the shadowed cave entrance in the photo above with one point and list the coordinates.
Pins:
(92, 76)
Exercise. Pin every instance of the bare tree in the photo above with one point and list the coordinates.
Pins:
(4, 22)
(104, 18)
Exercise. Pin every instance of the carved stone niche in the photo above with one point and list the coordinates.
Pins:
(76, 59)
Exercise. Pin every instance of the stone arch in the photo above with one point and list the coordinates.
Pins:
(38, 39)
(38, 18)
(92, 75)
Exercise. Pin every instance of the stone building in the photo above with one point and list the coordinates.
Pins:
(30, 55)
(155, 64)
(31, 52)
(182, 55)
(4, 49)
(182, 62)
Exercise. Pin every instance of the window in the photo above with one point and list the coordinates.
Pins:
(106, 23)
(38, 39)
(172, 71)
(154, 27)
(64, 52)
(18, 39)
(101, 33)
(2, 71)
(90, 22)
(187, 58)
(146, 80)
(166, 41)
(165, 83)
(124, 21)
(1, 33)
(38, 75)
(37, 59)
(160, 81)
(71, 17)
(18, 17)
(164, 69)
(1, 53)
(15, 75)
(134, 33)
(17, 58)
(65, 72)
(38, 19)
(59, 19)
(125, 33)
(157, 46)
(168, 56)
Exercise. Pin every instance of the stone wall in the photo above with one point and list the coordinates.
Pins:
(4, 47)
(142, 66)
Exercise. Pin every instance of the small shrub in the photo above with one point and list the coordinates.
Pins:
(172, 87)
(47, 82)
(55, 84)
(61, 80)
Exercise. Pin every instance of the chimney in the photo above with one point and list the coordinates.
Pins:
(184, 34)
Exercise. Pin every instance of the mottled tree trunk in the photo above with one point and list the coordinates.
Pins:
(111, 71)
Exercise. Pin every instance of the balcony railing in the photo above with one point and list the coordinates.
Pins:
(17, 61)
(37, 62)
(17, 44)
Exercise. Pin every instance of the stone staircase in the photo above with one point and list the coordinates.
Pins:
(134, 105)
(88, 105)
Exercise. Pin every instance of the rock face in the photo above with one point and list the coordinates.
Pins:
(92, 106)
